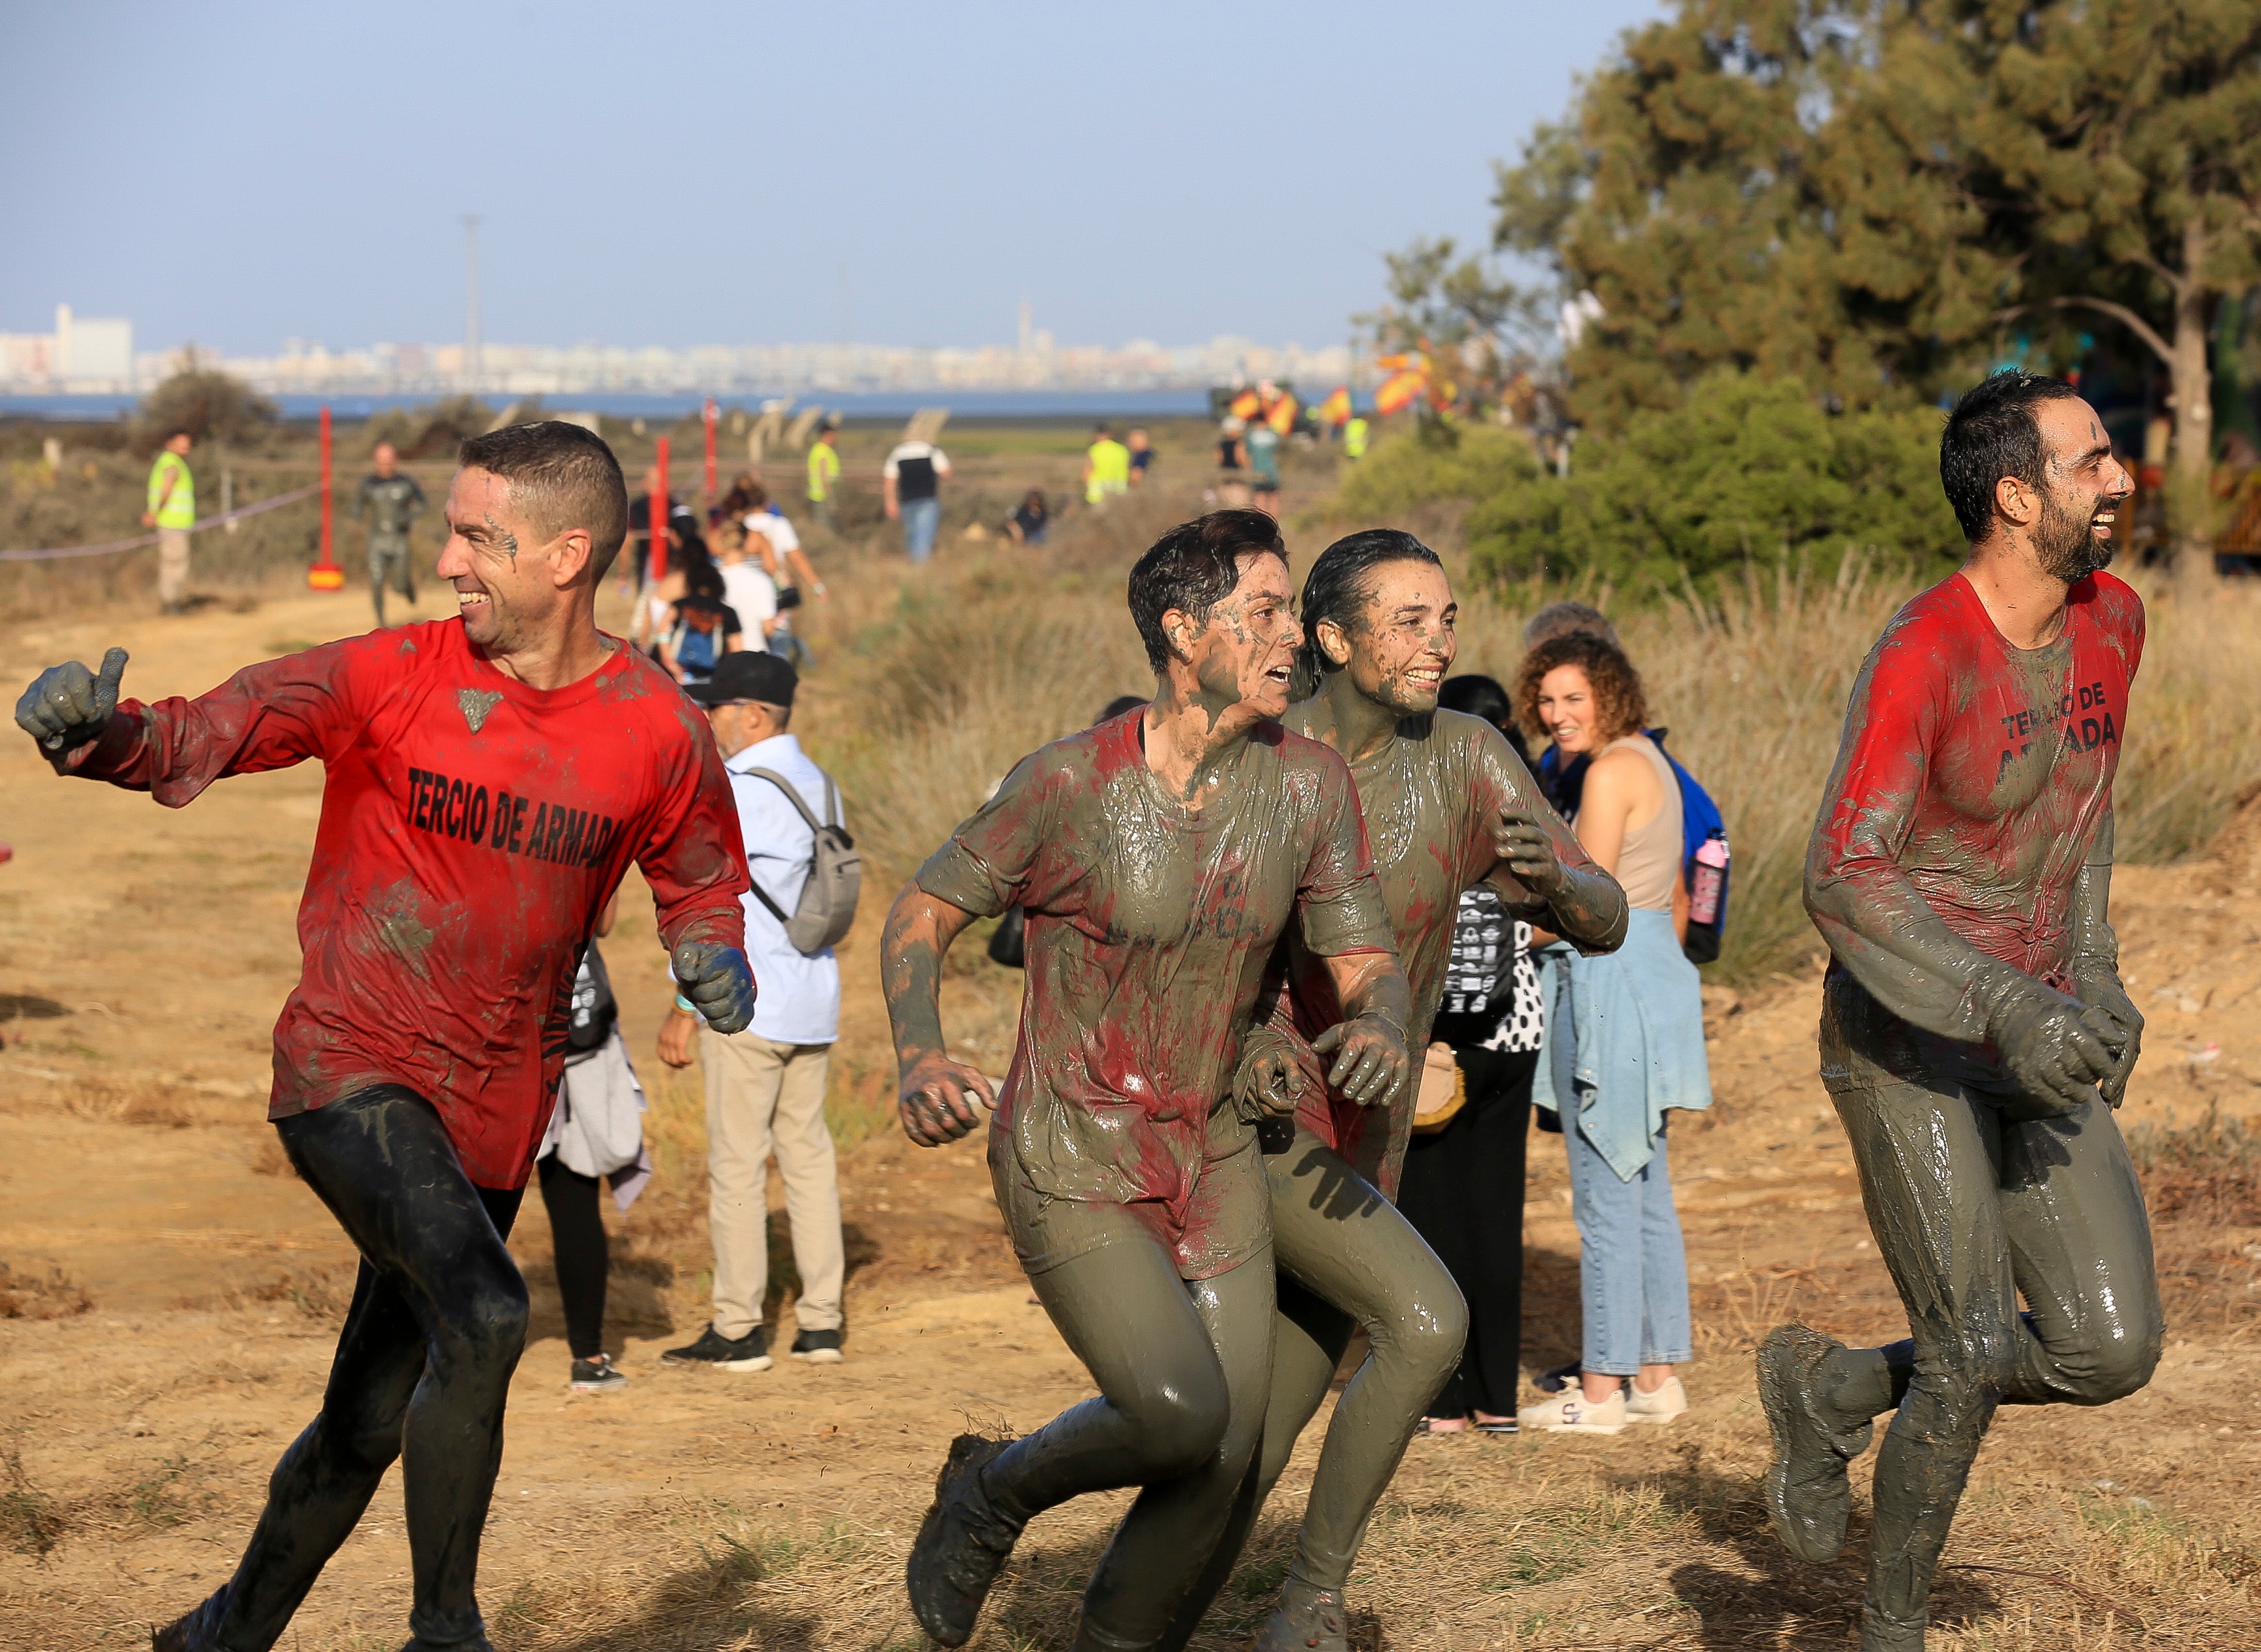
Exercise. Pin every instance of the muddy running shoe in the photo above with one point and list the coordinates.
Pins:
(1310, 1620)
(1660, 1404)
(820, 1347)
(598, 1375)
(192, 1631)
(962, 1544)
(1571, 1412)
(1808, 1492)
(750, 1353)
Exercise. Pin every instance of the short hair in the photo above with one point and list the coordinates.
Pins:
(1561, 618)
(1194, 567)
(757, 495)
(562, 477)
(1337, 588)
(1619, 700)
(1992, 434)
(1477, 695)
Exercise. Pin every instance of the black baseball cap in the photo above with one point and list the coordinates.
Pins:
(747, 675)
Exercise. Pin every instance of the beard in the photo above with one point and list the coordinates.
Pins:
(2063, 540)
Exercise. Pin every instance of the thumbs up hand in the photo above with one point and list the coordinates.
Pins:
(68, 705)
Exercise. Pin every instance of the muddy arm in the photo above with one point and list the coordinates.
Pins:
(934, 1094)
(2096, 960)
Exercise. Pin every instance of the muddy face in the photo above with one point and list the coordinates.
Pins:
(1243, 656)
(1569, 713)
(1401, 644)
(495, 558)
(2081, 489)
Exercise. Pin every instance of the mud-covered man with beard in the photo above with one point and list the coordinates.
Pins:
(1975, 1033)
(1159, 857)
(488, 780)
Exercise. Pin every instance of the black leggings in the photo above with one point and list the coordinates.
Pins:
(421, 1373)
(577, 1231)
(1462, 1191)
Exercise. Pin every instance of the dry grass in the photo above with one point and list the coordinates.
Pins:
(53, 1295)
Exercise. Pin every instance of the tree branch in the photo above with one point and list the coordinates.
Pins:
(2119, 312)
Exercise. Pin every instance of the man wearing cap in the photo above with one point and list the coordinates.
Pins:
(766, 1086)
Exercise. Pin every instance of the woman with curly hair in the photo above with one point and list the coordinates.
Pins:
(1625, 1043)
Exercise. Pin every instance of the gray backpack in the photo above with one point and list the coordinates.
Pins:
(827, 907)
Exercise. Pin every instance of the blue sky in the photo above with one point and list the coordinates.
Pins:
(238, 174)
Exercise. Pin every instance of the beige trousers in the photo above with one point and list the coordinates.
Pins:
(172, 565)
(762, 1098)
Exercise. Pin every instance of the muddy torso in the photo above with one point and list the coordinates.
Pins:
(1149, 927)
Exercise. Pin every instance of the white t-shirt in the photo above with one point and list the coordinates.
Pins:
(752, 592)
(774, 526)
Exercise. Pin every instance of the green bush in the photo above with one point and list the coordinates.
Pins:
(1748, 468)
(1436, 461)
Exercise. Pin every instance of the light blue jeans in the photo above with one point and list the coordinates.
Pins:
(921, 517)
(1632, 1270)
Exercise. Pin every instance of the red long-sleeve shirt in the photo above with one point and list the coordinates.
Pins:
(1973, 783)
(472, 828)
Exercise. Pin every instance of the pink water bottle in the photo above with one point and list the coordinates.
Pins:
(1711, 881)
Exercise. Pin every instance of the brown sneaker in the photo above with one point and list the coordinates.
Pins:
(962, 1544)
(1808, 1492)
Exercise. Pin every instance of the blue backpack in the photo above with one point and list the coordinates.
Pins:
(1704, 838)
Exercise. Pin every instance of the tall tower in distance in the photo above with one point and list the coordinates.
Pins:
(471, 364)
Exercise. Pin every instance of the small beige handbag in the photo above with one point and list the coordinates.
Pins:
(1443, 1089)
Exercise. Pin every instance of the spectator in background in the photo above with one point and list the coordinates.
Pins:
(1233, 463)
(766, 1086)
(391, 500)
(596, 1133)
(1633, 1037)
(684, 545)
(1032, 521)
(1354, 437)
(910, 488)
(172, 512)
(1462, 1185)
(1262, 445)
(823, 473)
(702, 626)
(774, 539)
(1105, 468)
(1142, 456)
(748, 588)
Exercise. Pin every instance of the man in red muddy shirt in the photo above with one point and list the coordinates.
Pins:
(1975, 1033)
(1158, 858)
(490, 777)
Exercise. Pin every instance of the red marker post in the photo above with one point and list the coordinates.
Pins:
(659, 517)
(709, 415)
(325, 575)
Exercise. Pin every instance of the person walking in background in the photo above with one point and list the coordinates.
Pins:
(1262, 446)
(1624, 1045)
(910, 489)
(1354, 436)
(748, 589)
(391, 500)
(766, 1086)
(1231, 462)
(772, 538)
(1142, 456)
(1462, 1185)
(595, 1131)
(172, 512)
(1105, 468)
(824, 474)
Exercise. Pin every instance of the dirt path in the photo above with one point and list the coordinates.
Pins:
(143, 955)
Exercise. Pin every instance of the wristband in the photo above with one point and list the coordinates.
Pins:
(685, 1005)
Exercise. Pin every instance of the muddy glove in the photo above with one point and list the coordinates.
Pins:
(2112, 1016)
(2054, 1046)
(1373, 1064)
(718, 983)
(1269, 1076)
(1584, 904)
(68, 705)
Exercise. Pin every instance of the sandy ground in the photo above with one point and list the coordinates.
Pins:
(143, 955)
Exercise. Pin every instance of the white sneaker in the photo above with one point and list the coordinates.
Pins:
(1571, 1412)
(1666, 1401)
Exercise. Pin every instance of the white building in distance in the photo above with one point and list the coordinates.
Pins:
(84, 353)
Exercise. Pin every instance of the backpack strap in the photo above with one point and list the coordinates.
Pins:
(832, 802)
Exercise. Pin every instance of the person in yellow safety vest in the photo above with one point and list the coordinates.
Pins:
(1106, 468)
(172, 512)
(823, 471)
(1354, 437)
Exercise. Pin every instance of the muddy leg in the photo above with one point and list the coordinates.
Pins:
(437, 1323)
